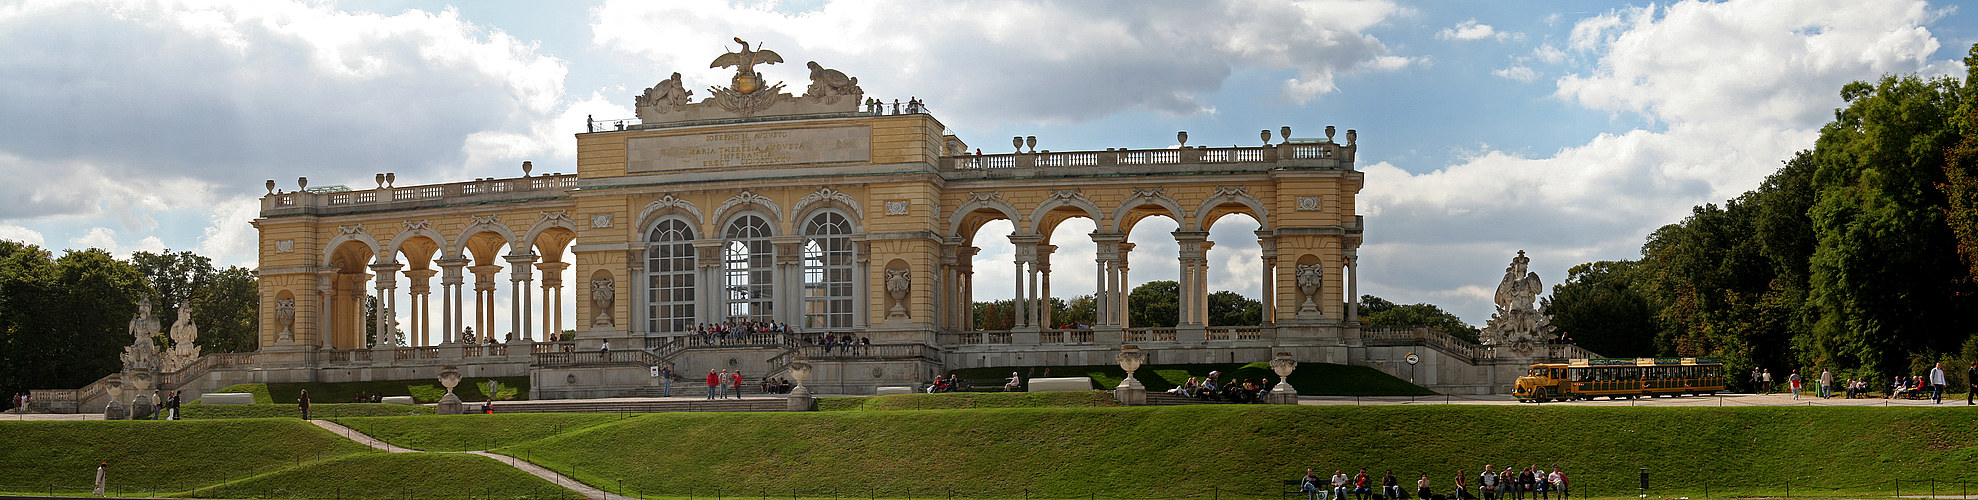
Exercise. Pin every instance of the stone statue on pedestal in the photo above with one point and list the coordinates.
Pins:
(285, 316)
(142, 355)
(184, 332)
(1517, 325)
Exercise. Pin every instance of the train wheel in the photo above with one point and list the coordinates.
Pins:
(1539, 395)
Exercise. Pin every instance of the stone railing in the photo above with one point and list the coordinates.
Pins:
(1238, 333)
(543, 347)
(1423, 336)
(976, 337)
(874, 351)
(203, 365)
(409, 197)
(596, 358)
(1155, 334)
(1302, 152)
(1066, 336)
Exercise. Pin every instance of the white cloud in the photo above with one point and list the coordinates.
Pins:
(1019, 61)
(1730, 117)
(106, 239)
(1519, 73)
(231, 240)
(1472, 30)
(12, 232)
(1549, 54)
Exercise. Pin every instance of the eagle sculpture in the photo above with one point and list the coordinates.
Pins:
(746, 60)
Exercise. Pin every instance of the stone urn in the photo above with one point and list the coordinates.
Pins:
(1130, 392)
(1283, 393)
(449, 404)
(139, 383)
(800, 398)
(113, 390)
(1310, 277)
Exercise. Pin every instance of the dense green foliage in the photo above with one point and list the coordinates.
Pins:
(1376, 311)
(421, 390)
(159, 455)
(1160, 452)
(291, 410)
(1855, 256)
(63, 321)
(1154, 303)
(388, 475)
(225, 302)
(1314, 379)
(1227, 308)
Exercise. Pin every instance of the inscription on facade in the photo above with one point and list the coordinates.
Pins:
(749, 148)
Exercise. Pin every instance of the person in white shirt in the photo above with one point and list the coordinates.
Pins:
(1937, 384)
(1339, 481)
(1826, 384)
(1558, 480)
(1487, 482)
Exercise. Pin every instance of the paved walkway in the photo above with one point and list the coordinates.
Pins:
(1780, 399)
(523, 465)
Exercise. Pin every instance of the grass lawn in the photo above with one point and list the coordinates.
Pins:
(393, 475)
(473, 431)
(157, 456)
(421, 390)
(1311, 379)
(965, 400)
(206, 411)
(1243, 451)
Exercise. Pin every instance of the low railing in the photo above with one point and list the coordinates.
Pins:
(434, 192)
(543, 347)
(872, 351)
(625, 357)
(1066, 336)
(976, 337)
(205, 364)
(1423, 336)
(1258, 154)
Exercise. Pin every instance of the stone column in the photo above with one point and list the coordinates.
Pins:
(861, 285)
(945, 289)
(1027, 289)
(421, 286)
(710, 286)
(326, 292)
(965, 269)
(484, 288)
(552, 298)
(1194, 246)
(787, 289)
(1044, 275)
(1352, 256)
(1124, 292)
(387, 309)
(1267, 242)
(521, 300)
(450, 280)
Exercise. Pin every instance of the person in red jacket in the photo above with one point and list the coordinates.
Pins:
(737, 377)
(713, 381)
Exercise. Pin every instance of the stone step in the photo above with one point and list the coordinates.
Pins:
(1166, 399)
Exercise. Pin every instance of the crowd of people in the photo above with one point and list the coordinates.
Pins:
(776, 386)
(1212, 388)
(737, 331)
(1931, 384)
(1530, 483)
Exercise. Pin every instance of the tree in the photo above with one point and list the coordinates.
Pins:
(175, 278)
(1887, 280)
(1227, 308)
(1599, 308)
(995, 315)
(1387, 313)
(1154, 304)
(1080, 310)
(228, 312)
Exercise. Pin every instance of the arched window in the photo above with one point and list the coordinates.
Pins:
(828, 271)
(748, 265)
(670, 277)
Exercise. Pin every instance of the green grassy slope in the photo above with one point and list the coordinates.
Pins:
(1242, 451)
(1313, 379)
(158, 456)
(388, 475)
(474, 431)
(206, 411)
(421, 390)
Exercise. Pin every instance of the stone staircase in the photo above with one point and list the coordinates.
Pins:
(627, 405)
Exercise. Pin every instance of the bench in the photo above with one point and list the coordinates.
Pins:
(227, 398)
(984, 385)
(1059, 384)
(886, 390)
(1291, 487)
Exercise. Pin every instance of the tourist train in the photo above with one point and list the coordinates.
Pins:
(1620, 378)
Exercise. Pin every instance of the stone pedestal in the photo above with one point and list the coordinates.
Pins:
(115, 411)
(1282, 394)
(450, 405)
(801, 400)
(1131, 392)
(142, 408)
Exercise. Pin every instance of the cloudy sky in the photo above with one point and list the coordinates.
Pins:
(1566, 129)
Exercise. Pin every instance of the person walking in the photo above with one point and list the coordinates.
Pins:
(102, 477)
(1937, 384)
(173, 404)
(1970, 383)
(1757, 381)
(735, 384)
(713, 382)
(1826, 383)
(1767, 383)
(304, 403)
(1794, 380)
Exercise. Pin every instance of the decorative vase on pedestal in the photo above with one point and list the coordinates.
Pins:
(800, 398)
(1283, 393)
(1130, 392)
(450, 403)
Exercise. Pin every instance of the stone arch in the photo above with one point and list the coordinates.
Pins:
(1205, 215)
(558, 221)
(991, 202)
(1122, 216)
(829, 197)
(747, 200)
(349, 235)
(847, 210)
(1061, 199)
(666, 205)
(482, 224)
(416, 229)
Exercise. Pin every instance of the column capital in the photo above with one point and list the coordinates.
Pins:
(386, 267)
(452, 262)
(520, 258)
